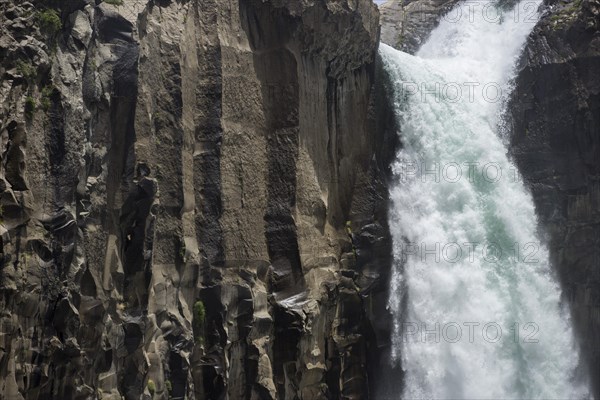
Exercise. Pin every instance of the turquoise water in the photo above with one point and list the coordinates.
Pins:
(483, 317)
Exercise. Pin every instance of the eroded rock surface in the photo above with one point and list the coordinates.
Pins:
(556, 143)
(406, 24)
(193, 200)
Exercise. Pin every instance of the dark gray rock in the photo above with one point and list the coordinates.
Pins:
(187, 153)
(555, 141)
(406, 24)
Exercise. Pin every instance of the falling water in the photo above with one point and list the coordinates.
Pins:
(477, 310)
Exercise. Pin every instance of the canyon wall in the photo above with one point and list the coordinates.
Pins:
(193, 200)
(555, 124)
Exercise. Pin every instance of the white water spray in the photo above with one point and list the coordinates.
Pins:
(482, 317)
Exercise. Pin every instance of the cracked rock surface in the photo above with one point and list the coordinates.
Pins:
(555, 120)
(406, 24)
(193, 200)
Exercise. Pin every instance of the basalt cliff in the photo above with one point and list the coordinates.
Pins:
(193, 200)
(554, 117)
(193, 193)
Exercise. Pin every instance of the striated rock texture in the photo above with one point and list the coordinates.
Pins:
(406, 24)
(556, 142)
(193, 200)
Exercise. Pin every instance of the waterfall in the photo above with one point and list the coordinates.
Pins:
(477, 309)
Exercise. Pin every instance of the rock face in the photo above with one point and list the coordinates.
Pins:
(556, 143)
(193, 200)
(406, 24)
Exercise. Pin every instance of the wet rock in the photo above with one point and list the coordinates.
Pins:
(555, 120)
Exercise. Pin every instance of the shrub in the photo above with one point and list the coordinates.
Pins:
(50, 22)
(199, 311)
(151, 387)
(169, 386)
(349, 227)
(114, 2)
(45, 101)
(29, 107)
(26, 70)
(198, 320)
